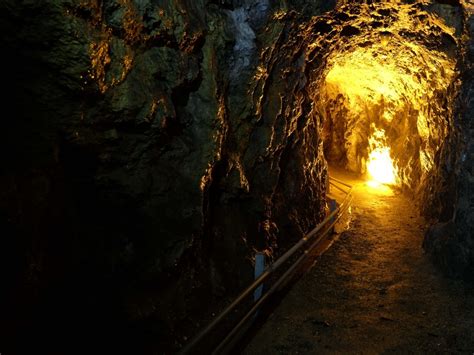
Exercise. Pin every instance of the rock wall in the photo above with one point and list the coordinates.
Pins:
(148, 150)
(450, 242)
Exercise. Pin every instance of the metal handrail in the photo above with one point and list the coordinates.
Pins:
(270, 269)
(276, 285)
(341, 182)
(338, 187)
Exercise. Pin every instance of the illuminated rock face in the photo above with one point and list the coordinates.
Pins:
(451, 241)
(399, 73)
(386, 80)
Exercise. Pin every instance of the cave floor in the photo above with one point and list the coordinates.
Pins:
(374, 291)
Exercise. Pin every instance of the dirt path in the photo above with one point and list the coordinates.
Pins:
(373, 292)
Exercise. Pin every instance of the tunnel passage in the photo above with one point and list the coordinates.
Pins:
(385, 97)
(154, 165)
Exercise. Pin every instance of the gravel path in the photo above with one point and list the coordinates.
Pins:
(373, 292)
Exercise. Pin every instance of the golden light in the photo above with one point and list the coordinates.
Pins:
(381, 86)
(380, 164)
(368, 75)
(379, 102)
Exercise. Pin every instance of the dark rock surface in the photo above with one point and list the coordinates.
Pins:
(451, 241)
(144, 158)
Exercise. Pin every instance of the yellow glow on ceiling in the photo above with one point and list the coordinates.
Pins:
(393, 73)
(360, 76)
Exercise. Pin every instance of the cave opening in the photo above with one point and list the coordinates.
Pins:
(384, 102)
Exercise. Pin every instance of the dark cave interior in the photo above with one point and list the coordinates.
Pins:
(152, 147)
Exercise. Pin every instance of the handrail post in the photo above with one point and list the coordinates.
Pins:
(263, 273)
(259, 268)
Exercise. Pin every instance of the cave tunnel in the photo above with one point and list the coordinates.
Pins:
(385, 104)
(386, 100)
(161, 156)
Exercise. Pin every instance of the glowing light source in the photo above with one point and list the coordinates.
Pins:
(380, 165)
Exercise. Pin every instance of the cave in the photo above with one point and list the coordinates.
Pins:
(386, 103)
(153, 150)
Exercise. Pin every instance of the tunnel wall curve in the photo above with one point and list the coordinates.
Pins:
(450, 242)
